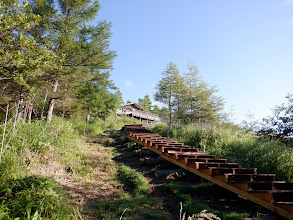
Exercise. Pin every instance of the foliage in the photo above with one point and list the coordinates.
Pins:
(201, 104)
(281, 123)
(188, 98)
(146, 103)
(25, 147)
(22, 59)
(226, 141)
(166, 88)
(133, 181)
(96, 97)
(100, 126)
(49, 48)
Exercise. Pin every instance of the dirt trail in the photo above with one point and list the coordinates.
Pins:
(98, 186)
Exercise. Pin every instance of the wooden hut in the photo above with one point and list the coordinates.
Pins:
(136, 111)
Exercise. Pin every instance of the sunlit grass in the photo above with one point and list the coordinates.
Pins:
(232, 143)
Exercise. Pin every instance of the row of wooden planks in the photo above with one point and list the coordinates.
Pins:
(262, 189)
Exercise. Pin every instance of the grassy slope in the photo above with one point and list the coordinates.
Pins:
(36, 155)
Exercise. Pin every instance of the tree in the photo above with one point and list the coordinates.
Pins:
(281, 123)
(201, 102)
(166, 88)
(96, 96)
(22, 59)
(188, 98)
(156, 109)
(83, 48)
(146, 103)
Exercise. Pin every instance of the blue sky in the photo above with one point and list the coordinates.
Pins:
(244, 47)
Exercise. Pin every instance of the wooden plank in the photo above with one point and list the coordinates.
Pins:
(278, 208)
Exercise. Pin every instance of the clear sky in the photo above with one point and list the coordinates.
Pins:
(244, 47)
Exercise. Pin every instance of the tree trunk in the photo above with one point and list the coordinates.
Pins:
(20, 106)
(52, 102)
(88, 114)
(43, 109)
(30, 114)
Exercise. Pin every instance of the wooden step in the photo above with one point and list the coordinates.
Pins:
(285, 205)
(158, 145)
(170, 148)
(274, 195)
(219, 165)
(195, 163)
(230, 165)
(182, 153)
(151, 143)
(178, 156)
(200, 157)
(145, 140)
(207, 165)
(216, 171)
(263, 185)
(282, 185)
(251, 186)
(238, 178)
(138, 136)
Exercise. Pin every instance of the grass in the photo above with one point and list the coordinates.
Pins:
(134, 203)
(268, 155)
(99, 126)
(34, 196)
(185, 193)
(29, 150)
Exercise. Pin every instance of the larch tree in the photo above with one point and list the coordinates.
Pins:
(22, 58)
(83, 48)
(201, 102)
(188, 98)
(167, 88)
(146, 103)
(98, 96)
